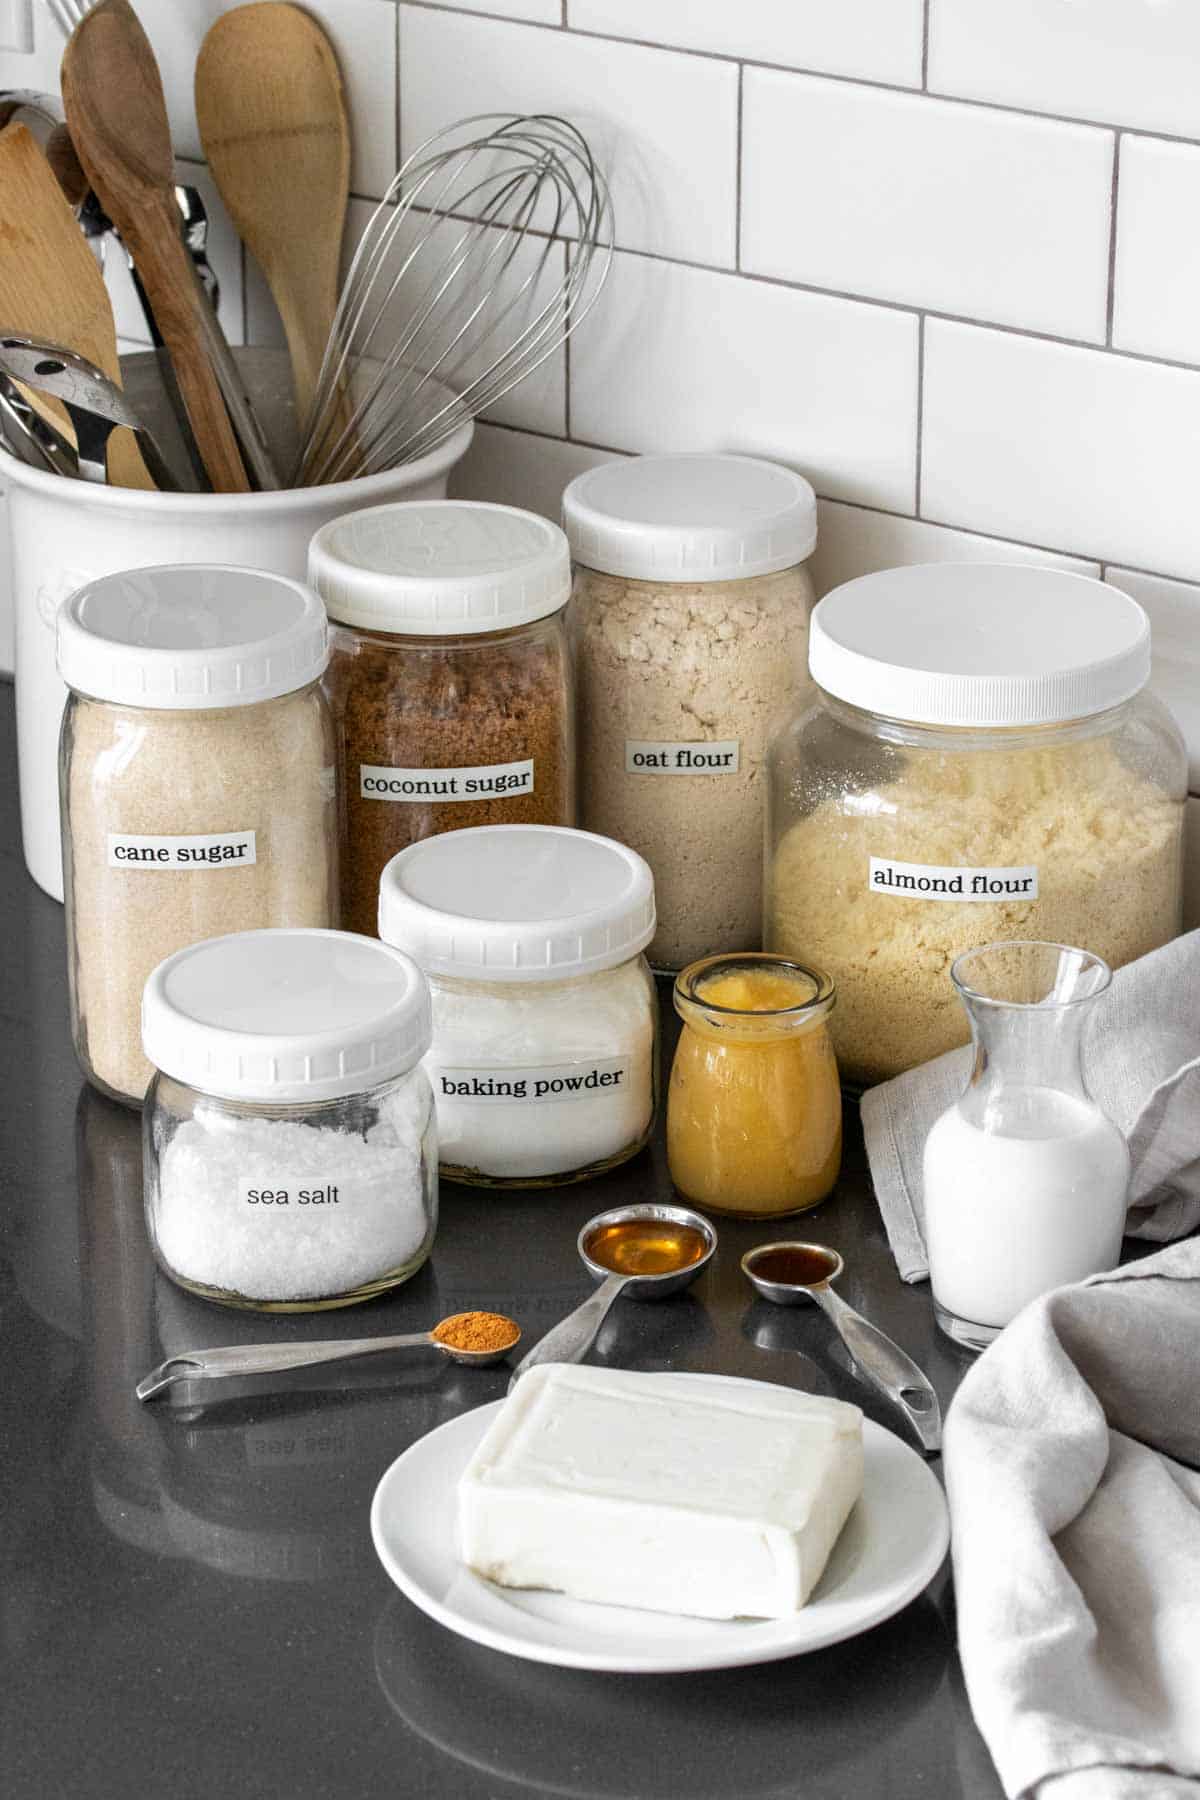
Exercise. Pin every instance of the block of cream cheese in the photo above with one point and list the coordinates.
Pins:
(681, 1493)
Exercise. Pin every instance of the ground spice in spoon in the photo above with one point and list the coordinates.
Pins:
(477, 1331)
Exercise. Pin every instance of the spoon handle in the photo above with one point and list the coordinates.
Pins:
(886, 1367)
(265, 1359)
(570, 1340)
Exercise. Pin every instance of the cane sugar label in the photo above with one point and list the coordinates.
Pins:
(491, 781)
(927, 881)
(204, 850)
(554, 1083)
(718, 756)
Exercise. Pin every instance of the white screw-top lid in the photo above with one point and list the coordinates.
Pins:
(440, 567)
(286, 1015)
(985, 644)
(517, 903)
(690, 518)
(185, 637)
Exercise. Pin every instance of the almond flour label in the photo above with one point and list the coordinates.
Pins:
(490, 781)
(718, 756)
(203, 850)
(555, 1082)
(930, 881)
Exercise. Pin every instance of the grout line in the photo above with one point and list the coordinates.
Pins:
(565, 21)
(1112, 243)
(737, 188)
(925, 48)
(920, 415)
(399, 101)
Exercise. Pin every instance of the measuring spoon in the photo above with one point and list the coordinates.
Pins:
(808, 1271)
(571, 1339)
(233, 1360)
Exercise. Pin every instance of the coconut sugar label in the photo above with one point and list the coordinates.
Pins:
(716, 757)
(929, 881)
(553, 1083)
(198, 850)
(490, 781)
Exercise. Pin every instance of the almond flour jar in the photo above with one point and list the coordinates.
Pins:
(545, 1018)
(690, 626)
(198, 790)
(982, 762)
(449, 677)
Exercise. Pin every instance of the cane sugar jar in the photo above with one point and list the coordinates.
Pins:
(982, 762)
(289, 1135)
(197, 771)
(449, 676)
(545, 1017)
(690, 627)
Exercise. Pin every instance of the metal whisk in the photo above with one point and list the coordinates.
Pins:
(487, 251)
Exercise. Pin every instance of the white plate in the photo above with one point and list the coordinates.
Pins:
(892, 1546)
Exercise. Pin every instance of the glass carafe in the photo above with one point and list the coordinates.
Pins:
(1025, 1178)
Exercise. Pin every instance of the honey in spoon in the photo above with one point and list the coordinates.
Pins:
(646, 1246)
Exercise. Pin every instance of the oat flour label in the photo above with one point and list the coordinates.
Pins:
(204, 850)
(927, 881)
(552, 1083)
(492, 781)
(720, 756)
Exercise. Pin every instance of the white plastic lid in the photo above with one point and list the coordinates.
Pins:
(186, 637)
(979, 644)
(517, 903)
(286, 1015)
(690, 518)
(440, 567)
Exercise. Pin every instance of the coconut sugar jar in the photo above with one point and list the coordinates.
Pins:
(449, 676)
(690, 622)
(545, 1016)
(982, 762)
(198, 792)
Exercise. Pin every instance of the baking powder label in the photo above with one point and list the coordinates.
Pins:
(491, 781)
(929, 881)
(704, 756)
(549, 1084)
(204, 850)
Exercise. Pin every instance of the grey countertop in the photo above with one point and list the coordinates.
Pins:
(192, 1604)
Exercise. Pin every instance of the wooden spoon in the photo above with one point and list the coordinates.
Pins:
(115, 108)
(273, 123)
(50, 286)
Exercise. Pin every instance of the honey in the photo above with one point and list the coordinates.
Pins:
(646, 1246)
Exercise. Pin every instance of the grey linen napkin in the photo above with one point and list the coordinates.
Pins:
(1141, 1060)
(1076, 1536)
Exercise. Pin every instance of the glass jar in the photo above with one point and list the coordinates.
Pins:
(690, 620)
(982, 761)
(197, 771)
(545, 1017)
(290, 1141)
(449, 676)
(754, 1108)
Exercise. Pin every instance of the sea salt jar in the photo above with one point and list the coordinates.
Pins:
(290, 1142)
(545, 1017)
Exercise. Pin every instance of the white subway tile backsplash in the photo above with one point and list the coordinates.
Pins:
(852, 541)
(516, 469)
(536, 12)
(961, 209)
(1050, 444)
(684, 359)
(1125, 62)
(1174, 609)
(875, 40)
(662, 125)
(1157, 293)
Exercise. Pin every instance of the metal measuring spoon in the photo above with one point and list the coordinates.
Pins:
(570, 1340)
(876, 1357)
(233, 1360)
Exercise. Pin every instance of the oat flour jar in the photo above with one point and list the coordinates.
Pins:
(449, 676)
(198, 790)
(982, 762)
(289, 1136)
(545, 1017)
(690, 624)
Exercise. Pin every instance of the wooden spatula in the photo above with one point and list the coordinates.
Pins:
(118, 118)
(273, 123)
(50, 286)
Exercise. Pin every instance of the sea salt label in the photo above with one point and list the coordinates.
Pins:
(716, 756)
(491, 781)
(303, 1192)
(202, 850)
(553, 1082)
(929, 881)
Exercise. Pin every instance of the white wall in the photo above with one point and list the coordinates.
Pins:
(941, 255)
